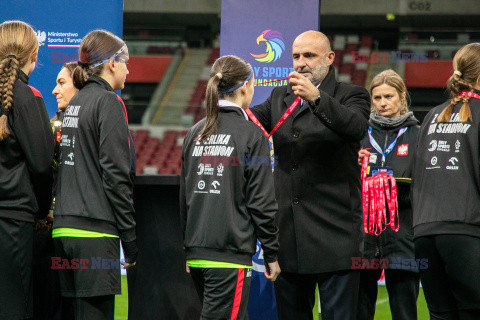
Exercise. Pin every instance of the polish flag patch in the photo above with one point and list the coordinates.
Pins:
(402, 150)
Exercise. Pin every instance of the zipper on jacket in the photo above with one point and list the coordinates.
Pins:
(385, 147)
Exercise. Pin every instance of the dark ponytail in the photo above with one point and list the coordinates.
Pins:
(97, 46)
(227, 72)
(466, 64)
(79, 77)
(211, 99)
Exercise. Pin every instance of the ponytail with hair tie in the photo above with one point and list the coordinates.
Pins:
(232, 72)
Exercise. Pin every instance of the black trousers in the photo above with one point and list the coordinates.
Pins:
(451, 282)
(98, 308)
(223, 292)
(16, 287)
(402, 287)
(46, 283)
(295, 295)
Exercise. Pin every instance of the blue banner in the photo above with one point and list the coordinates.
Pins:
(262, 32)
(60, 27)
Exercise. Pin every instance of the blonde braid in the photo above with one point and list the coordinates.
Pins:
(8, 74)
(457, 84)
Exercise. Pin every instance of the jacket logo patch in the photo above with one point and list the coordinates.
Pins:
(453, 161)
(402, 150)
(214, 185)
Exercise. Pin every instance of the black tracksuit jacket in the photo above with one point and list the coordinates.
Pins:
(94, 190)
(225, 208)
(26, 156)
(446, 176)
(390, 244)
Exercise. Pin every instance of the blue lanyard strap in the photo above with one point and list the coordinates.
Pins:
(389, 148)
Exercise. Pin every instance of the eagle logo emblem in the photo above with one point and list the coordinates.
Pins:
(274, 46)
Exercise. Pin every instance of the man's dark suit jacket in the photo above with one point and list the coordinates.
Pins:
(317, 179)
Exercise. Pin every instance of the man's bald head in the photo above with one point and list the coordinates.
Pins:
(313, 36)
(312, 55)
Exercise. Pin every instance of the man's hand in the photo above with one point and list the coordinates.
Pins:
(302, 87)
(272, 271)
(362, 154)
(187, 268)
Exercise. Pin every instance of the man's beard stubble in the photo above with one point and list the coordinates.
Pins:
(318, 73)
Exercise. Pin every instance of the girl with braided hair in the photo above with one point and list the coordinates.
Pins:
(446, 195)
(26, 150)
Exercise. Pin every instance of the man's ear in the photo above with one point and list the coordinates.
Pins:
(330, 57)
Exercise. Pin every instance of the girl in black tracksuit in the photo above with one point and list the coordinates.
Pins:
(446, 195)
(94, 207)
(227, 198)
(26, 151)
(391, 125)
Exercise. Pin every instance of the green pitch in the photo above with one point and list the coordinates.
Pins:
(382, 312)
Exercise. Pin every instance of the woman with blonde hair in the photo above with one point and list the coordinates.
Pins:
(391, 140)
(446, 195)
(26, 151)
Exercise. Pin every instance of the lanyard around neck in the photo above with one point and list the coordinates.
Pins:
(389, 148)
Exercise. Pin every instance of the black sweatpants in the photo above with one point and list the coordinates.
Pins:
(16, 252)
(223, 292)
(295, 295)
(402, 287)
(452, 280)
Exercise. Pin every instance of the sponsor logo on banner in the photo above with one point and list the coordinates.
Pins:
(41, 37)
(433, 145)
(63, 40)
(274, 46)
(201, 184)
(402, 150)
